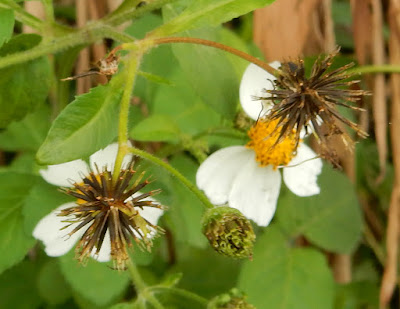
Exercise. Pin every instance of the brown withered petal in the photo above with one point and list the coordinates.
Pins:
(106, 206)
(300, 101)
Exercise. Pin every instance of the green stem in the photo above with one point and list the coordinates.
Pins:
(187, 183)
(130, 74)
(49, 11)
(21, 15)
(213, 44)
(84, 36)
(137, 280)
(112, 33)
(183, 293)
(385, 68)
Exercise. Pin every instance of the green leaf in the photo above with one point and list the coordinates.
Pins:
(84, 126)
(23, 86)
(185, 206)
(18, 287)
(27, 134)
(184, 106)
(208, 70)
(361, 294)
(96, 282)
(331, 219)
(6, 25)
(41, 200)
(51, 284)
(193, 264)
(155, 78)
(207, 13)
(156, 128)
(158, 62)
(283, 277)
(14, 241)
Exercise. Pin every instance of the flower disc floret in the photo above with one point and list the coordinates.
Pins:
(264, 136)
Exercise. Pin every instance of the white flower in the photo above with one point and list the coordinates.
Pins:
(248, 177)
(52, 230)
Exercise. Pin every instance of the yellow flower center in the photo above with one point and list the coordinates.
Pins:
(263, 135)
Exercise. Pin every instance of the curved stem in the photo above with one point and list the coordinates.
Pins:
(137, 280)
(130, 75)
(187, 183)
(385, 68)
(183, 293)
(226, 48)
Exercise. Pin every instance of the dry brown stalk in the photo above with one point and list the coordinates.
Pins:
(392, 233)
(362, 29)
(82, 84)
(280, 30)
(379, 98)
(36, 9)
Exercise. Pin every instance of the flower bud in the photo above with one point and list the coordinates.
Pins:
(229, 232)
(232, 300)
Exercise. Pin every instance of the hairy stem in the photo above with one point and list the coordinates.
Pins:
(174, 172)
(223, 47)
(130, 75)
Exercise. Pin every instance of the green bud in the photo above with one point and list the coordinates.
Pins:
(232, 300)
(229, 232)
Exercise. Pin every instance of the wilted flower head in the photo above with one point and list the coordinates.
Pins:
(107, 217)
(300, 101)
(229, 232)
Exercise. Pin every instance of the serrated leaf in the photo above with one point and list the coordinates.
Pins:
(156, 128)
(23, 86)
(208, 13)
(18, 287)
(14, 242)
(51, 284)
(84, 126)
(96, 282)
(283, 277)
(27, 134)
(331, 219)
(6, 25)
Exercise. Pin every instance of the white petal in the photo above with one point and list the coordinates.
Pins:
(106, 157)
(254, 81)
(49, 231)
(151, 214)
(301, 179)
(65, 173)
(216, 174)
(105, 250)
(255, 192)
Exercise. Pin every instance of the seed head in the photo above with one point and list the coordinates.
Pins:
(110, 207)
(300, 101)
